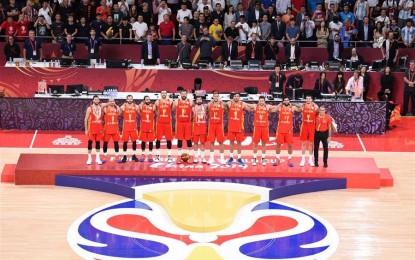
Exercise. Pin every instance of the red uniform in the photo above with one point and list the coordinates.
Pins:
(163, 127)
(147, 123)
(308, 124)
(323, 123)
(236, 122)
(129, 130)
(183, 120)
(215, 131)
(95, 122)
(199, 124)
(285, 125)
(261, 124)
(111, 127)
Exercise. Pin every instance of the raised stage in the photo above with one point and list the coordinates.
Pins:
(44, 169)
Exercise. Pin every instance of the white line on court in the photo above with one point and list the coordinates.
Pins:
(33, 140)
(361, 142)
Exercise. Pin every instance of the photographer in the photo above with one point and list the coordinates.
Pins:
(307, 32)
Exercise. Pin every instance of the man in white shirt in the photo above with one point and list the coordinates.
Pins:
(161, 10)
(182, 13)
(405, 7)
(243, 29)
(334, 27)
(140, 29)
(46, 11)
(203, 4)
(383, 19)
(282, 5)
(354, 86)
(221, 2)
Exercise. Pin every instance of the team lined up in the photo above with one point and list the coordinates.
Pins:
(197, 123)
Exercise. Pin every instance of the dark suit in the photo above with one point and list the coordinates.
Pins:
(323, 88)
(273, 78)
(225, 51)
(154, 53)
(183, 52)
(251, 16)
(278, 31)
(253, 48)
(299, 18)
(297, 52)
(237, 15)
(361, 35)
(271, 51)
(330, 49)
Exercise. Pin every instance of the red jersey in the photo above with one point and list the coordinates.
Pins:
(9, 29)
(95, 120)
(111, 120)
(236, 117)
(309, 114)
(285, 121)
(147, 118)
(164, 111)
(261, 116)
(130, 118)
(199, 120)
(216, 111)
(23, 30)
(323, 123)
(183, 110)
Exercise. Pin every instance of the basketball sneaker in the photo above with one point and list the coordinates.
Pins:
(98, 161)
(230, 161)
(263, 162)
(150, 158)
(254, 162)
(196, 160)
(89, 161)
(157, 158)
(311, 163)
(211, 161)
(240, 162)
(277, 162)
(134, 158)
(190, 159)
(326, 165)
(302, 163)
(204, 161)
(290, 163)
(142, 158)
(169, 159)
(123, 160)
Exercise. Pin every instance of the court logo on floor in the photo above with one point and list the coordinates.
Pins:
(67, 140)
(202, 223)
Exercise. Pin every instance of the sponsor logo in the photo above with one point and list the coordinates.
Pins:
(67, 140)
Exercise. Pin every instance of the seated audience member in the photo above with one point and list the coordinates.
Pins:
(183, 50)
(11, 49)
(354, 86)
(335, 49)
(378, 35)
(292, 52)
(276, 80)
(271, 49)
(339, 83)
(323, 85)
(253, 50)
(150, 52)
(229, 51)
(386, 83)
(356, 57)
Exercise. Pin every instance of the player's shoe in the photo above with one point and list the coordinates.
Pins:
(254, 162)
(157, 158)
(263, 162)
(302, 163)
(311, 163)
(223, 162)
(89, 161)
(204, 161)
(123, 160)
(190, 159)
(240, 162)
(169, 159)
(196, 160)
(179, 160)
(150, 158)
(142, 158)
(211, 161)
(230, 161)
(315, 163)
(134, 158)
(98, 161)
(105, 159)
(277, 162)
(326, 165)
(290, 163)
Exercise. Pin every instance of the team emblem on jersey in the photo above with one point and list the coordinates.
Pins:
(242, 225)
(67, 140)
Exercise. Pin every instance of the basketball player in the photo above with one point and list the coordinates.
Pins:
(216, 110)
(199, 129)
(309, 111)
(285, 128)
(183, 108)
(111, 127)
(163, 125)
(261, 128)
(146, 111)
(129, 130)
(236, 129)
(93, 128)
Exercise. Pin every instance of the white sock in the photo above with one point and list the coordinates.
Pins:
(255, 155)
(143, 152)
(150, 152)
(190, 152)
(105, 154)
(278, 156)
(132, 152)
(263, 156)
(310, 157)
(239, 156)
(116, 154)
(179, 152)
(222, 156)
(303, 157)
(202, 154)
(89, 156)
(158, 152)
(169, 152)
(289, 157)
(97, 156)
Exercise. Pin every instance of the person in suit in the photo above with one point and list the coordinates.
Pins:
(150, 52)
(240, 11)
(292, 52)
(276, 80)
(323, 85)
(335, 48)
(271, 49)
(183, 50)
(229, 51)
(253, 50)
(255, 14)
(365, 33)
(278, 28)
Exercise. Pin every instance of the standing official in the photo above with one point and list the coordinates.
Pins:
(277, 80)
(322, 134)
(409, 90)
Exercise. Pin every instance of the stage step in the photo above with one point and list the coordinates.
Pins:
(386, 178)
(8, 173)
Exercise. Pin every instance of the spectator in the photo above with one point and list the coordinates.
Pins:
(232, 31)
(335, 49)
(229, 50)
(378, 35)
(124, 7)
(11, 49)
(386, 83)
(29, 13)
(199, 25)
(57, 29)
(278, 28)
(365, 33)
(334, 27)
(70, 27)
(68, 48)
(12, 10)
(117, 15)
(323, 85)
(216, 30)
(146, 13)
(331, 13)
(339, 83)
(97, 24)
(354, 86)
(374, 12)
(204, 4)
(22, 28)
(86, 10)
(405, 7)
(408, 34)
(93, 44)
(46, 11)
(161, 10)
(208, 16)
(361, 10)
(256, 14)
(221, 2)
(299, 18)
(188, 4)
(166, 31)
(356, 57)
(218, 13)
(292, 52)
(182, 13)
(318, 15)
(322, 34)
(240, 12)
(109, 30)
(186, 29)
(149, 51)
(133, 12)
(329, 3)
(183, 50)
(243, 28)
(383, 19)
(391, 7)
(346, 15)
(271, 13)
(395, 29)
(307, 31)
(152, 31)
(140, 29)
(254, 30)
(347, 33)
(276, 80)
(64, 9)
(104, 10)
(195, 18)
(293, 31)
(84, 28)
(125, 31)
(32, 48)
(271, 49)
(282, 5)
(286, 18)
(253, 50)
(312, 5)
(265, 28)
(10, 27)
(229, 17)
(206, 42)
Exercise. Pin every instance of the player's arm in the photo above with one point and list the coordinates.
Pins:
(87, 115)
(102, 105)
(174, 105)
(119, 110)
(297, 108)
(156, 106)
(249, 107)
(315, 106)
(227, 105)
(122, 108)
